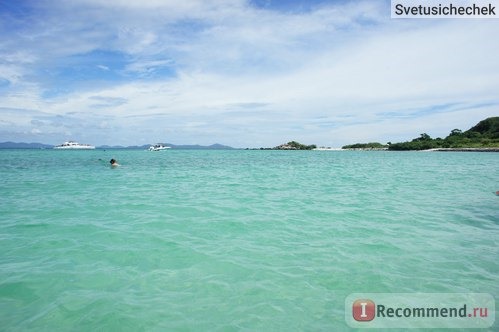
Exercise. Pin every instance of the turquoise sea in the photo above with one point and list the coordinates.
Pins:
(237, 240)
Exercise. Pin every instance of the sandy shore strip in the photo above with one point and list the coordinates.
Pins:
(496, 149)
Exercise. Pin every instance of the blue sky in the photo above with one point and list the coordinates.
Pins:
(242, 73)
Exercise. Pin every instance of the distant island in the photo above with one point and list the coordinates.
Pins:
(482, 137)
(13, 145)
(366, 146)
(293, 145)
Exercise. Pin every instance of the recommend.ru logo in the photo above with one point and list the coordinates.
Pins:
(363, 310)
(417, 310)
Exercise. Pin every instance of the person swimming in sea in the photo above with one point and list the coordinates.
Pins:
(114, 163)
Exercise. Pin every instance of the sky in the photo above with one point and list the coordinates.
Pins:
(244, 73)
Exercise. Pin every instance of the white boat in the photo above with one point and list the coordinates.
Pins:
(158, 147)
(71, 145)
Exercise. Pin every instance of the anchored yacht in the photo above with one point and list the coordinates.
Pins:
(71, 145)
(158, 147)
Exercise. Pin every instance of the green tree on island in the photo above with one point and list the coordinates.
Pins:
(484, 135)
(366, 146)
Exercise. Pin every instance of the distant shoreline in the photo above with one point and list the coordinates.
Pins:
(495, 149)
(41, 146)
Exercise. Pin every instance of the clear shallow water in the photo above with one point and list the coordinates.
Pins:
(237, 240)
